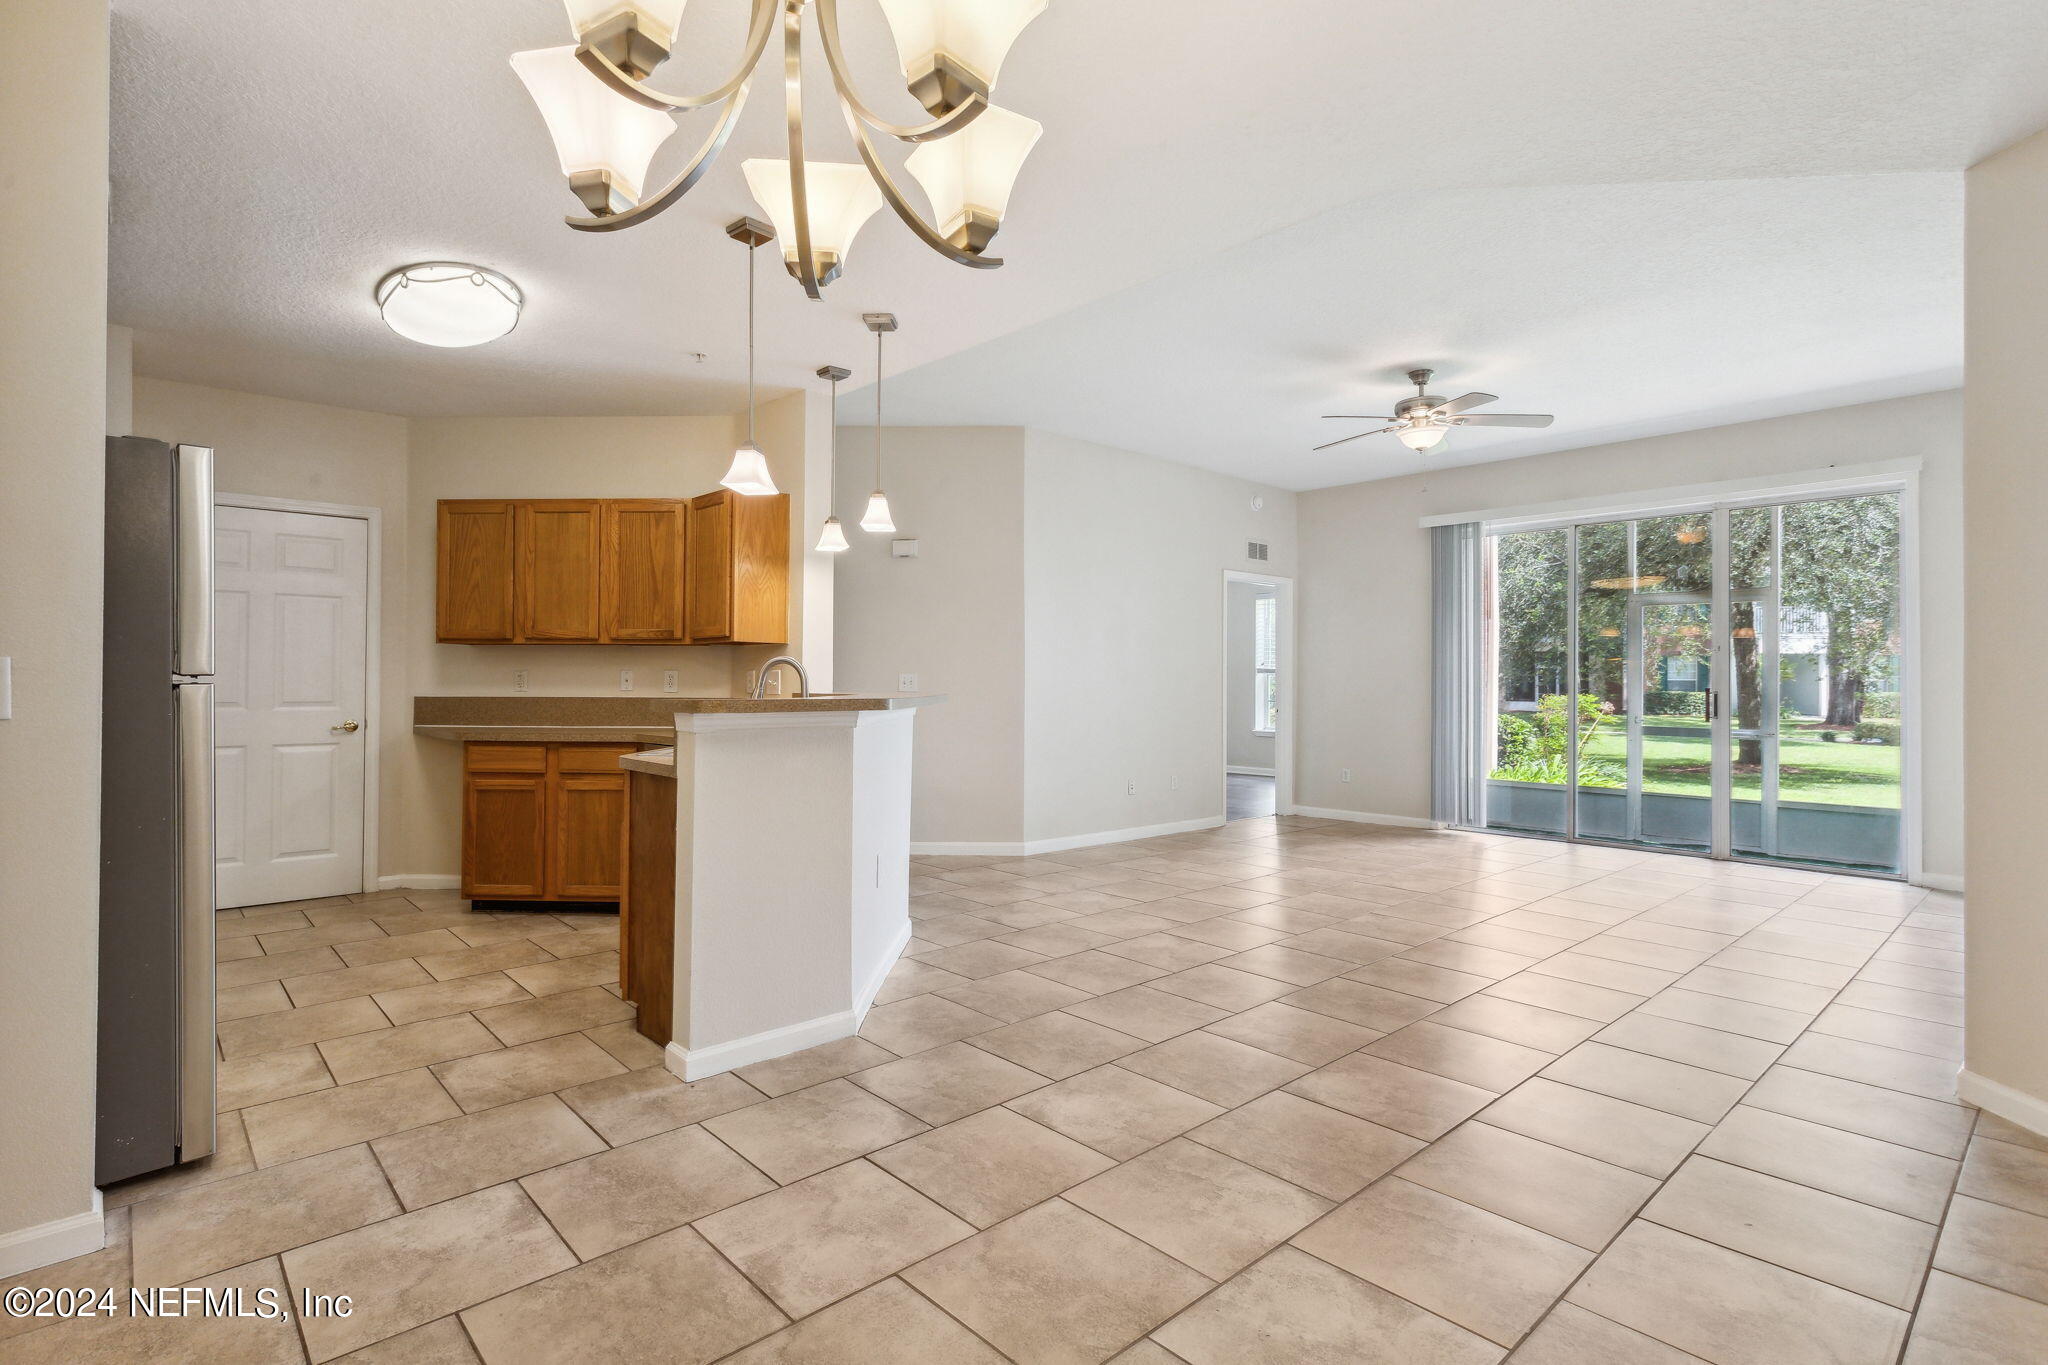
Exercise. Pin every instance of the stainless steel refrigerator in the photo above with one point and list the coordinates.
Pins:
(156, 1015)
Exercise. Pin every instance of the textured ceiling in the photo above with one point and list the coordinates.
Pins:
(1240, 215)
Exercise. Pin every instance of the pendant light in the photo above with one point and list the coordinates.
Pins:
(832, 539)
(749, 473)
(877, 520)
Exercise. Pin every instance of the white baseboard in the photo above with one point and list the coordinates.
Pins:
(1249, 772)
(420, 881)
(873, 985)
(1940, 881)
(1065, 842)
(2015, 1106)
(48, 1243)
(1360, 817)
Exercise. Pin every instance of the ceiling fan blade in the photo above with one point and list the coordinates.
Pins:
(1467, 400)
(1348, 439)
(1356, 417)
(1509, 419)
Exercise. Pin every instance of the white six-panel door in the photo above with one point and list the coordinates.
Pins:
(291, 606)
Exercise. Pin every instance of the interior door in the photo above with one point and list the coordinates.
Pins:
(291, 615)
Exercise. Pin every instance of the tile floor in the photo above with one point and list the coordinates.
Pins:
(1289, 1090)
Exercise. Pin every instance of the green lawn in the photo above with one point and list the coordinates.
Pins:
(1810, 769)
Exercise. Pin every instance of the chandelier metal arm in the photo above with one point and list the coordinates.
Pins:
(684, 182)
(835, 58)
(761, 28)
(793, 86)
(910, 216)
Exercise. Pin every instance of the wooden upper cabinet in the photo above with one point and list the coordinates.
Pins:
(739, 569)
(475, 573)
(559, 578)
(643, 571)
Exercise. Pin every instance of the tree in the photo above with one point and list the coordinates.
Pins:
(1841, 562)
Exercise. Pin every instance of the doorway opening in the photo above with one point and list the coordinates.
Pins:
(1257, 694)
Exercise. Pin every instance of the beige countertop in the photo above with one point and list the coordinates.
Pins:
(622, 720)
(655, 762)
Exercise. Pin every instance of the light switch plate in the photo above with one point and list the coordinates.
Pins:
(903, 549)
(6, 688)
(625, 680)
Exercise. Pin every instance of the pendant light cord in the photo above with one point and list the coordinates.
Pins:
(878, 411)
(751, 249)
(832, 458)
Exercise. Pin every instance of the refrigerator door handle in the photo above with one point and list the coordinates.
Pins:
(195, 562)
(196, 1007)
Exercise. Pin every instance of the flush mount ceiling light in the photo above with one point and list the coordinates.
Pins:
(447, 303)
(607, 123)
(832, 536)
(877, 520)
(749, 472)
(1422, 422)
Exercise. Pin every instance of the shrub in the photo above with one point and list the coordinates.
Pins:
(1882, 730)
(1660, 703)
(1517, 738)
(1551, 771)
(1880, 706)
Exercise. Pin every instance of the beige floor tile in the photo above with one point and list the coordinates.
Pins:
(1631, 1136)
(364, 1055)
(1613, 947)
(1730, 1308)
(284, 1130)
(2006, 1173)
(1299, 1034)
(369, 951)
(1234, 934)
(182, 1237)
(1934, 1007)
(1730, 1054)
(991, 1165)
(807, 1131)
(1318, 1148)
(1779, 967)
(1526, 942)
(1166, 952)
(948, 1083)
(1098, 972)
(1996, 1245)
(642, 1103)
(614, 1198)
(472, 1151)
(921, 1023)
(1145, 1013)
(1961, 1323)
(1800, 996)
(626, 1044)
(440, 1342)
(319, 936)
(1469, 958)
(231, 1156)
(1201, 1207)
(910, 978)
(1931, 1078)
(470, 1249)
(1992, 1126)
(410, 1004)
(1514, 1022)
(980, 959)
(1474, 1058)
(299, 1027)
(1868, 1251)
(1486, 1273)
(1348, 943)
(1565, 996)
(1883, 1174)
(248, 971)
(351, 982)
(1055, 1284)
(490, 957)
(1892, 1030)
(1570, 1335)
(122, 1339)
(568, 1012)
(106, 1268)
(1419, 979)
(1292, 1308)
(1056, 1045)
(567, 974)
(1226, 988)
(826, 1062)
(516, 1073)
(1054, 939)
(1689, 1091)
(847, 1333)
(1568, 1195)
(1011, 996)
(1117, 1112)
(1220, 1070)
(1417, 1103)
(826, 1236)
(1890, 1115)
(243, 1002)
(229, 924)
(1367, 1006)
(267, 1076)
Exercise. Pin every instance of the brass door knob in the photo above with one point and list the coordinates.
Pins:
(347, 726)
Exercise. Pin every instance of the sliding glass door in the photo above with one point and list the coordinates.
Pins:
(1721, 682)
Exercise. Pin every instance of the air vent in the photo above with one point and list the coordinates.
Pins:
(1255, 549)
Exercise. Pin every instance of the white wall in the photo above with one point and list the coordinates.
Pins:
(53, 392)
(2006, 1033)
(1245, 746)
(1363, 679)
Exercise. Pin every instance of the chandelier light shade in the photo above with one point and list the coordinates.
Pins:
(840, 197)
(832, 536)
(876, 520)
(832, 539)
(968, 177)
(951, 50)
(749, 474)
(950, 47)
(447, 303)
(603, 141)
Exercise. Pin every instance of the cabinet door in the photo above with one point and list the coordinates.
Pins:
(643, 571)
(589, 818)
(475, 570)
(710, 580)
(760, 570)
(558, 571)
(504, 836)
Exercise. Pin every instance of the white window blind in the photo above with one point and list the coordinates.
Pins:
(1265, 664)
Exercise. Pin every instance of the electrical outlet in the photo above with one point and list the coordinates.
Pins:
(1343, 774)
(518, 680)
(753, 677)
(1131, 788)
(906, 682)
(670, 680)
(625, 680)
(1176, 781)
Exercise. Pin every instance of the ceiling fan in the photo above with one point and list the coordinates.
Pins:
(1421, 422)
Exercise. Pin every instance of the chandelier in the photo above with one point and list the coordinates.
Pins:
(607, 124)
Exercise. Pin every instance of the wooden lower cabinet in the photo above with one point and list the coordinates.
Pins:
(544, 822)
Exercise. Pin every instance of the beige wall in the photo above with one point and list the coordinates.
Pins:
(1364, 671)
(2006, 1035)
(53, 393)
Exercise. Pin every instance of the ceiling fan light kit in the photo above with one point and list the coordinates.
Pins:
(1422, 422)
(608, 125)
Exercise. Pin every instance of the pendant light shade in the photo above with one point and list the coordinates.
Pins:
(876, 520)
(832, 540)
(749, 473)
(840, 198)
(1421, 438)
(603, 140)
(968, 176)
(447, 303)
(659, 19)
(972, 36)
